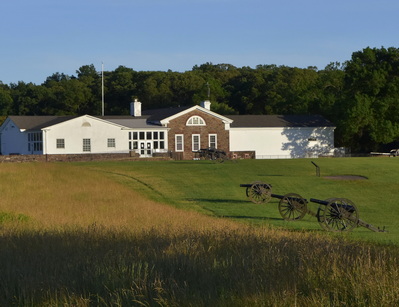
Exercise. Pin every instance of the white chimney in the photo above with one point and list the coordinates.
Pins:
(135, 108)
(206, 104)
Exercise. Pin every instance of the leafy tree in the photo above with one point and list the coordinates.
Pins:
(65, 96)
(26, 98)
(372, 93)
(5, 100)
(91, 79)
(120, 87)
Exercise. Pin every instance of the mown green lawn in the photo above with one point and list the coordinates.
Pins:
(214, 188)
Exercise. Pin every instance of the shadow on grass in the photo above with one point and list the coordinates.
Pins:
(213, 200)
(106, 267)
(247, 217)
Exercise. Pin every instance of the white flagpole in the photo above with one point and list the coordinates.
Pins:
(102, 88)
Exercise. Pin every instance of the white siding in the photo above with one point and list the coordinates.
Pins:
(85, 127)
(282, 142)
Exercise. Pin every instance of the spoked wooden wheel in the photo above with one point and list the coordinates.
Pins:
(340, 214)
(259, 192)
(292, 207)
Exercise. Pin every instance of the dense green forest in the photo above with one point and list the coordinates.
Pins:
(359, 96)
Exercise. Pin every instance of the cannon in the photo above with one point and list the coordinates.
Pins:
(211, 154)
(333, 214)
(258, 192)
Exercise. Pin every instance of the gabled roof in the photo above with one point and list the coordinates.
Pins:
(130, 122)
(156, 115)
(259, 121)
(163, 116)
(38, 122)
(151, 117)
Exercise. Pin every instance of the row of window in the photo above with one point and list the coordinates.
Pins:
(195, 141)
(150, 144)
(147, 135)
(35, 141)
(60, 144)
(148, 139)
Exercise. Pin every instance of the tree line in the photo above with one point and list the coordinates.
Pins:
(360, 96)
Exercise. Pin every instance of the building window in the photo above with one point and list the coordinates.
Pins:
(142, 135)
(196, 142)
(111, 143)
(179, 142)
(195, 121)
(213, 141)
(60, 143)
(35, 141)
(86, 145)
(135, 137)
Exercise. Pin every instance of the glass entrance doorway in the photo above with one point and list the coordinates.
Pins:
(146, 149)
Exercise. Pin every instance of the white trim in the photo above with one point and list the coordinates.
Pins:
(182, 142)
(166, 120)
(86, 142)
(199, 118)
(216, 140)
(85, 117)
(194, 143)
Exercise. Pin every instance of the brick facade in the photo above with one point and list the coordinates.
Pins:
(213, 126)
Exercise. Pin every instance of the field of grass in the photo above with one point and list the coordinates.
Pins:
(183, 233)
(214, 188)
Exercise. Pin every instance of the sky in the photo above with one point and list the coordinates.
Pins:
(43, 37)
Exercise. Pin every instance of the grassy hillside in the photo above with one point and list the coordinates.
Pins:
(213, 188)
(100, 234)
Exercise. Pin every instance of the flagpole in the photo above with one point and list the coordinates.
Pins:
(102, 88)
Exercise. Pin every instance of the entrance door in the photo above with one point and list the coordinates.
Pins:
(146, 149)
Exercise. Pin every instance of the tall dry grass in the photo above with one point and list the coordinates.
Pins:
(76, 238)
(58, 195)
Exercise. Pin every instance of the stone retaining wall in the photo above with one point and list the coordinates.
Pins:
(72, 158)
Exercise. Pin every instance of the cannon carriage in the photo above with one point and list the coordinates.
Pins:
(211, 153)
(333, 214)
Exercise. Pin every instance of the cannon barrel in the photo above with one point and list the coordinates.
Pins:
(293, 197)
(319, 201)
(277, 196)
(347, 207)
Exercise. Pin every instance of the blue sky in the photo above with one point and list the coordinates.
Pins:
(42, 37)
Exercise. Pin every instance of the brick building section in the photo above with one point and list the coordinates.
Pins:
(213, 125)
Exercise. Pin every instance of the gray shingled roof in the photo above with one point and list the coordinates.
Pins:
(239, 121)
(130, 122)
(257, 121)
(157, 115)
(38, 122)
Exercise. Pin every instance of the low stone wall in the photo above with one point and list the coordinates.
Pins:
(242, 154)
(67, 158)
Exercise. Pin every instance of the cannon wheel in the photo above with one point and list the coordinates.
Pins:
(292, 207)
(340, 214)
(259, 192)
(221, 157)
